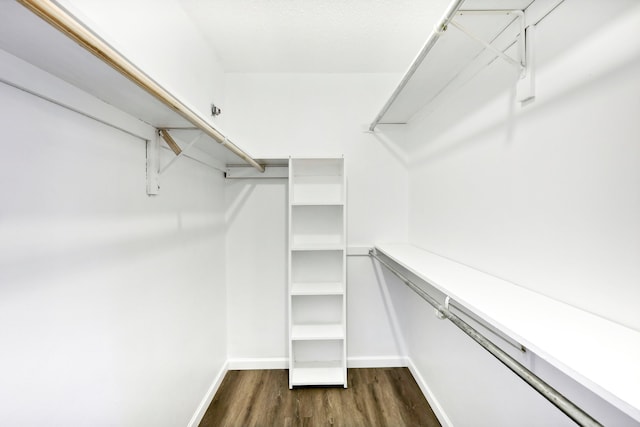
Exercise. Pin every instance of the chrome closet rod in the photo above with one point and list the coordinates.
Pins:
(431, 42)
(547, 391)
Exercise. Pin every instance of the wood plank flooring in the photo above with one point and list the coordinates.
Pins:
(375, 397)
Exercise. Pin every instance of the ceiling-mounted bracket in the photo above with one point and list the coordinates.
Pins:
(524, 62)
(154, 169)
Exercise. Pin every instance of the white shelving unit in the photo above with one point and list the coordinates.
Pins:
(317, 272)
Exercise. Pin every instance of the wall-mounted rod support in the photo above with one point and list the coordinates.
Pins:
(170, 142)
(513, 343)
(60, 19)
(433, 38)
(547, 391)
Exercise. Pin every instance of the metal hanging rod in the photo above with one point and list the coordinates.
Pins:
(67, 24)
(547, 391)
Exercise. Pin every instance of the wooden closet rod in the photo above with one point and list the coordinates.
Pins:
(60, 19)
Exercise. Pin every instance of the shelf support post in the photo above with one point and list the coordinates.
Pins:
(526, 88)
(153, 166)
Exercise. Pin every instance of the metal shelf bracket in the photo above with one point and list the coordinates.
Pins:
(154, 169)
(524, 64)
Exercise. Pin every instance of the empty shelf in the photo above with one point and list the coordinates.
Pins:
(319, 288)
(318, 247)
(317, 373)
(317, 332)
(319, 203)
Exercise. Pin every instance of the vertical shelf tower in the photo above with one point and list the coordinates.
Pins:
(317, 272)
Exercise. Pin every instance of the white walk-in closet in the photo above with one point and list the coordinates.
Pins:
(439, 195)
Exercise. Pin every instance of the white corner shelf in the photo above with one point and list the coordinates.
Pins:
(317, 272)
(599, 354)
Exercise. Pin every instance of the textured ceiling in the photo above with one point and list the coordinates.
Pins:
(315, 36)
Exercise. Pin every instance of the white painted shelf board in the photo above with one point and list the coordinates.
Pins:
(314, 189)
(455, 57)
(317, 332)
(318, 288)
(319, 203)
(451, 54)
(28, 37)
(598, 353)
(496, 4)
(317, 373)
(318, 247)
(318, 166)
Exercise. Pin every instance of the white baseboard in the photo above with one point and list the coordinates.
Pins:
(377, 362)
(206, 401)
(244, 364)
(428, 394)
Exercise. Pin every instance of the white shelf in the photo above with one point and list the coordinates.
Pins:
(317, 288)
(319, 203)
(333, 331)
(443, 67)
(311, 190)
(317, 266)
(32, 40)
(598, 353)
(317, 182)
(318, 247)
(317, 373)
(313, 225)
(317, 272)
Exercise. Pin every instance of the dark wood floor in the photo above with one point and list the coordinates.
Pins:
(375, 397)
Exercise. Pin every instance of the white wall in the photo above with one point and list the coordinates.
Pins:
(545, 196)
(281, 115)
(112, 303)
